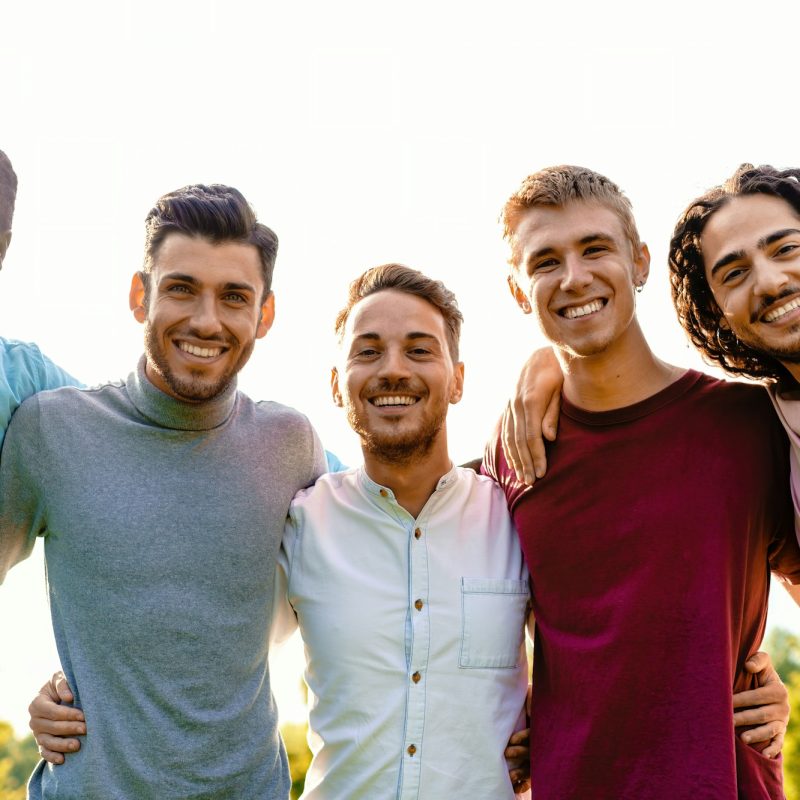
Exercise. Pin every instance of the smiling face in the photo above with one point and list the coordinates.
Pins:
(397, 377)
(202, 314)
(751, 255)
(576, 270)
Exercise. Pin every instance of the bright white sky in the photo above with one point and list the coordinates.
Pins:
(362, 132)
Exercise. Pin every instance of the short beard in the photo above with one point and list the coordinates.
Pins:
(400, 450)
(196, 389)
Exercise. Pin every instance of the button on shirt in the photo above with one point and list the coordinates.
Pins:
(413, 632)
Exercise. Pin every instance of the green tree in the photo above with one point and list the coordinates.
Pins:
(17, 760)
(294, 737)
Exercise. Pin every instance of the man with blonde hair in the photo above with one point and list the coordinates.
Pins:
(651, 539)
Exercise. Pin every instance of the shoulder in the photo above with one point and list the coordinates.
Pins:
(737, 397)
(328, 490)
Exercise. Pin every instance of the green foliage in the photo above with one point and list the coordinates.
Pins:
(791, 747)
(784, 649)
(17, 760)
(294, 737)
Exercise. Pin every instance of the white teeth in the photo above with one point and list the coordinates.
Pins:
(582, 311)
(203, 352)
(394, 400)
(785, 309)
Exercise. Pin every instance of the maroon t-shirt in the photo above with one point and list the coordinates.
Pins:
(649, 543)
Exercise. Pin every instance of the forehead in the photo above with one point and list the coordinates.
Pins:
(394, 314)
(556, 227)
(209, 262)
(742, 223)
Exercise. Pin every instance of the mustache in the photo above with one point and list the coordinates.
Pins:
(386, 386)
(769, 300)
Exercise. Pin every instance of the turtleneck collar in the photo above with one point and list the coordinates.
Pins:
(168, 412)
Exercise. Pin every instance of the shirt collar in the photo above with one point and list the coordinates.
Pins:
(168, 412)
(384, 492)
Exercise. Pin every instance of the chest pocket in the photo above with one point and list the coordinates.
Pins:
(492, 620)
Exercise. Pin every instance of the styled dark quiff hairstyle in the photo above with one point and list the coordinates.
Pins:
(404, 279)
(559, 186)
(8, 192)
(214, 212)
(697, 309)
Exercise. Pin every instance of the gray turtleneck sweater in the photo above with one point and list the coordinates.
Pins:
(162, 522)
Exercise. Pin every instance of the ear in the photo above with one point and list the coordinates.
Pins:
(457, 389)
(267, 316)
(337, 395)
(641, 265)
(5, 241)
(724, 324)
(136, 300)
(519, 295)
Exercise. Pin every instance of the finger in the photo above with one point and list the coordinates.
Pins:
(57, 744)
(774, 748)
(757, 662)
(50, 756)
(520, 737)
(521, 786)
(45, 725)
(763, 733)
(513, 754)
(63, 691)
(507, 441)
(522, 432)
(761, 715)
(550, 420)
(44, 708)
(771, 694)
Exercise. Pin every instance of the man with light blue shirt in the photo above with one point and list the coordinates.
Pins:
(24, 370)
(404, 575)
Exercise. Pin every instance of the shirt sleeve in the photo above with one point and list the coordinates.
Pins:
(284, 620)
(22, 510)
(51, 376)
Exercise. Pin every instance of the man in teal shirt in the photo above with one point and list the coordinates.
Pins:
(24, 369)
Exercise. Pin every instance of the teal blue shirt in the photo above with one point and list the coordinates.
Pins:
(24, 370)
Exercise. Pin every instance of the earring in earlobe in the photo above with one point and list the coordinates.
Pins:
(526, 306)
(638, 287)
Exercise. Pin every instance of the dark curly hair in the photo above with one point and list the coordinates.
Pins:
(697, 309)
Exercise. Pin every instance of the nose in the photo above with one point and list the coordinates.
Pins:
(393, 364)
(768, 277)
(576, 274)
(205, 316)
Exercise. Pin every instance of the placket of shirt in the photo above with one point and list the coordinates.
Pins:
(418, 647)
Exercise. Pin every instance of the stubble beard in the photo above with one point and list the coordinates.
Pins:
(400, 448)
(198, 388)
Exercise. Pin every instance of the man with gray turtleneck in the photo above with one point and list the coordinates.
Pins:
(159, 563)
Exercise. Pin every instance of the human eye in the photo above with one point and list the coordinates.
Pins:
(543, 265)
(235, 297)
(733, 276)
(178, 288)
(596, 249)
(787, 248)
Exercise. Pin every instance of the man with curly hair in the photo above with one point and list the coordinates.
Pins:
(735, 271)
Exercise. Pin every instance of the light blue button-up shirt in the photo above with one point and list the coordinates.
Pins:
(413, 632)
(24, 370)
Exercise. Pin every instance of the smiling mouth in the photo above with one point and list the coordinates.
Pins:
(393, 400)
(573, 312)
(200, 352)
(781, 311)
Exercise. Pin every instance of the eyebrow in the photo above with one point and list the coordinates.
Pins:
(375, 337)
(763, 242)
(230, 286)
(591, 237)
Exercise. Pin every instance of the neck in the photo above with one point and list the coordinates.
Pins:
(626, 372)
(413, 482)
